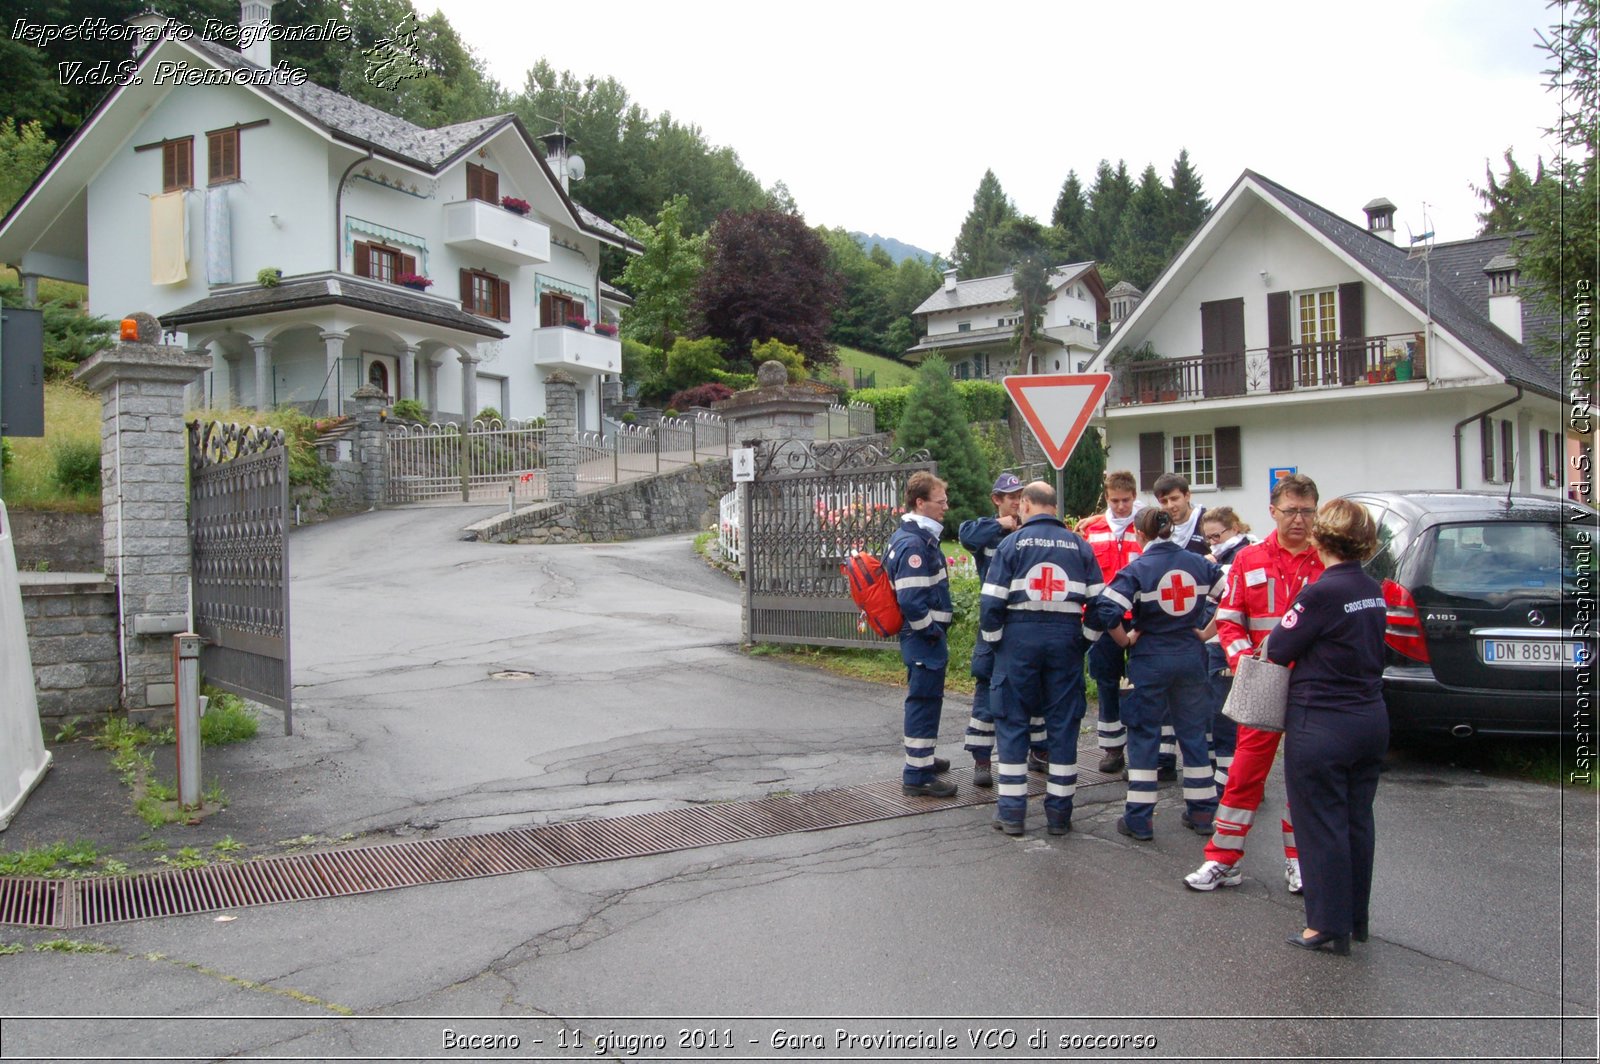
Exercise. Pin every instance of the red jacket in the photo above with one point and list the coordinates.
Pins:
(1110, 550)
(1262, 582)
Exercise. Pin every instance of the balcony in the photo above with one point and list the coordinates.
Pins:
(489, 229)
(561, 346)
(1359, 362)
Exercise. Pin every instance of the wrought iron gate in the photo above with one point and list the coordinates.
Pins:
(239, 545)
(810, 505)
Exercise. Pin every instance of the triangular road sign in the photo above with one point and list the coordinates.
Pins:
(1056, 407)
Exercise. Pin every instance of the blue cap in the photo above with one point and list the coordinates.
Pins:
(1007, 484)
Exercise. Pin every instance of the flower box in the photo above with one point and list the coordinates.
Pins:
(605, 328)
(515, 205)
(414, 281)
(577, 323)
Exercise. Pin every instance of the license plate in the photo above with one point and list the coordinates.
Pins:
(1531, 653)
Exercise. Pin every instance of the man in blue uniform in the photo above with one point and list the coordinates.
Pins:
(1031, 610)
(1172, 495)
(982, 536)
(914, 562)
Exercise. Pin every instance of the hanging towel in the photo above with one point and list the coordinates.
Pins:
(219, 237)
(169, 253)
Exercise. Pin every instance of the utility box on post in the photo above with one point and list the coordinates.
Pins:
(21, 372)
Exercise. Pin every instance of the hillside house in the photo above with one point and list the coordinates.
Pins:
(174, 197)
(972, 323)
(1283, 337)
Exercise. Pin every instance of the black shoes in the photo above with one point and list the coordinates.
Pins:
(1037, 763)
(941, 765)
(1124, 829)
(1113, 761)
(1010, 827)
(931, 789)
(1338, 945)
(1059, 828)
(1199, 827)
(1166, 773)
(1358, 931)
(981, 776)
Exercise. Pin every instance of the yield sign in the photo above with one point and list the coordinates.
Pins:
(1056, 407)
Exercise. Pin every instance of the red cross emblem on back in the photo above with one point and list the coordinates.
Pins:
(1176, 592)
(1047, 583)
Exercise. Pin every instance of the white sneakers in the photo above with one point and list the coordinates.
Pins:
(1291, 874)
(1213, 874)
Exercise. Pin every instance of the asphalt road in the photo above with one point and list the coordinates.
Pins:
(929, 937)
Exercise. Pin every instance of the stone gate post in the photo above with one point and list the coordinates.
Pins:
(367, 404)
(144, 501)
(561, 436)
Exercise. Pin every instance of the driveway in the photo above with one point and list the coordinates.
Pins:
(633, 696)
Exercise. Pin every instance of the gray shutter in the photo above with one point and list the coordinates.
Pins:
(1230, 472)
(1280, 352)
(1352, 332)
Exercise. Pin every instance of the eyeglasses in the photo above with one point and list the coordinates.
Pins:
(1298, 511)
(1216, 537)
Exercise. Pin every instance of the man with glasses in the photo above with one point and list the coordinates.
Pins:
(1262, 583)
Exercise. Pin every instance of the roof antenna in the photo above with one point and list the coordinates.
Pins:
(1425, 238)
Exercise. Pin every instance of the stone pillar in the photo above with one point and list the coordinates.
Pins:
(469, 388)
(207, 397)
(367, 406)
(772, 412)
(561, 436)
(263, 349)
(144, 500)
(333, 351)
(408, 373)
(431, 370)
(30, 290)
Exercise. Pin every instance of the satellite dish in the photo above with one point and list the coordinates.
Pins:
(576, 167)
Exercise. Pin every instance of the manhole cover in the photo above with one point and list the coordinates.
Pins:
(511, 674)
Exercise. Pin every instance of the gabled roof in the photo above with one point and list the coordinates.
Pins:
(1433, 287)
(984, 291)
(322, 290)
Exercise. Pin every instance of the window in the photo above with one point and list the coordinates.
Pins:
(382, 262)
(177, 164)
(557, 308)
(1498, 442)
(222, 156)
(1549, 458)
(485, 294)
(1317, 316)
(1195, 457)
(963, 326)
(482, 184)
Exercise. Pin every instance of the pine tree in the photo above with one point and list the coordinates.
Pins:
(1083, 479)
(1506, 202)
(1107, 200)
(977, 251)
(1187, 206)
(1026, 244)
(1071, 217)
(1141, 246)
(935, 419)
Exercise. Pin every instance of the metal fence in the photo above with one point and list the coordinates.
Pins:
(729, 531)
(502, 459)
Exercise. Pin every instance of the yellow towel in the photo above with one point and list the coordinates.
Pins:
(169, 253)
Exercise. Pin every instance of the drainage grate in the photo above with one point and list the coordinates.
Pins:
(58, 903)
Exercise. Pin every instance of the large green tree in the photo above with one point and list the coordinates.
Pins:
(1143, 239)
(1108, 198)
(1028, 246)
(24, 151)
(1187, 206)
(1071, 217)
(661, 279)
(978, 251)
(1506, 199)
(934, 418)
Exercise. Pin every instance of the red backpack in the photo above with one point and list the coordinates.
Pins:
(873, 591)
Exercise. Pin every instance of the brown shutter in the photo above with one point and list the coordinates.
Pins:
(491, 186)
(505, 300)
(1352, 332)
(1507, 457)
(1544, 458)
(408, 264)
(466, 292)
(1280, 354)
(1230, 472)
(547, 309)
(363, 259)
(1486, 444)
(1152, 458)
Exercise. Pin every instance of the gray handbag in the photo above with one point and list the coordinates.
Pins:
(1260, 693)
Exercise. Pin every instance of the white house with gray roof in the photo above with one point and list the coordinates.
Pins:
(972, 323)
(173, 197)
(1285, 337)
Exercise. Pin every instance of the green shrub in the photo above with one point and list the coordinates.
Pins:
(5, 455)
(227, 719)
(77, 465)
(933, 419)
(408, 410)
(488, 414)
(300, 437)
(984, 400)
(737, 381)
(778, 351)
(888, 405)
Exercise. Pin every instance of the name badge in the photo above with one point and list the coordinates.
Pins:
(1255, 577)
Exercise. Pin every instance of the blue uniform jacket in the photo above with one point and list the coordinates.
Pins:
(1334, 635)
(915, 564)
(982, 536)
(1041, 573)
(1170, 591)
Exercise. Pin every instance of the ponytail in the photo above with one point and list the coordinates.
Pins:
(1153, 523)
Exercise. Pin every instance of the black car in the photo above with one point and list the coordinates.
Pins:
(1491, 610)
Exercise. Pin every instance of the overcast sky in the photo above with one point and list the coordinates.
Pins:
(882, 115)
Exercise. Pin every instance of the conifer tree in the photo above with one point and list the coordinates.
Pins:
(1083, 480)
(1071, 217)
(977, 251)
(1140, 251)
(935, 419)
(1187, 206)
(1107, 200)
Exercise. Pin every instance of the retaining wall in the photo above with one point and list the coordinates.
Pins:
(72, 637)
(681, 501)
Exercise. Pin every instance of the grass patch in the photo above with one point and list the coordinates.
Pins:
(890, 373)
(299, 434)
(227, 719)
(56, 859)
(72, 945)
(72, 428)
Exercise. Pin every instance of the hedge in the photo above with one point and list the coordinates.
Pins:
(983, 400)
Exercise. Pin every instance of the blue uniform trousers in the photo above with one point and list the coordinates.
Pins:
(1038, 673)
(980, 729)
(925, 657)
(1169, 683)
(1224, 733)
(1330, 766)
(1107, 663)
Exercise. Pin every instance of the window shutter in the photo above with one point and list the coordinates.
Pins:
(547, 309)
(363, 263)
(466, 293)
(1486, 444)
(491, 186)
(1280, 359)
(505, 300)
(1152, 458)
(215, 164)
(408, 264)
(1230, 472)
(1352, 332)
(1507, 455)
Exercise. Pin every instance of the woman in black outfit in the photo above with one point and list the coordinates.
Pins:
(1337, 728)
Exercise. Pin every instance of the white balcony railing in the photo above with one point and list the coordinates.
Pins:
(561, 345)
(489, 229)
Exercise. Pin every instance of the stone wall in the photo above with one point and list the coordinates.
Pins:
(681, 501)
(72, 638)
(57, 542)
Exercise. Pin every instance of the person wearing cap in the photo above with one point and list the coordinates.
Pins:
(981, 536)
(1112, 538)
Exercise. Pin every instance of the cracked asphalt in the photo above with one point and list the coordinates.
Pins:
(637, 698)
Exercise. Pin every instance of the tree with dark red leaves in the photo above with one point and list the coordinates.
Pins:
(767, 277)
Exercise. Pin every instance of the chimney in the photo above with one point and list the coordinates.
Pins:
(146, 27)
(950, 280)
(567, 165)
(1505, 300)
(1380, 218)
(255, 16)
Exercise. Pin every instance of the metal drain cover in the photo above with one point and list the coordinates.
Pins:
(512, 674)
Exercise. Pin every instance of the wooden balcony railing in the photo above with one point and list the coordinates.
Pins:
(1358, 361)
